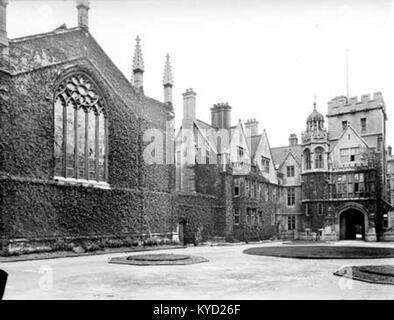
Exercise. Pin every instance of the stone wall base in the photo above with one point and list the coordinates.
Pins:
(13, 247)
(388, 236)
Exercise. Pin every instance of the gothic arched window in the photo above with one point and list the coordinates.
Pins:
(319, 162)
(80, 130)
(307, 157)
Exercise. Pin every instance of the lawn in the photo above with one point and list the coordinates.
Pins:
(322, 252)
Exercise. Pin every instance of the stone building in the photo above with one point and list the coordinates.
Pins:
(342, 173)
(288, 164)
(389, 221)
(77, 168)
(229, 166)
(329, 186)
(72, 171)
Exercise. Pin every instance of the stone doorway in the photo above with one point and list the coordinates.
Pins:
(352, 225)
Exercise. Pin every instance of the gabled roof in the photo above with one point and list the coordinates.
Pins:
(349, 127)
(253, 143)
(204, 125)
(289, 154)
(65, 47)
(280, 153)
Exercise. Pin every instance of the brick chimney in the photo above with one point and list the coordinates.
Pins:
(221, 115)
(3, 23)
(83, 16)
(189, 105)
(251, 127)
(293, 140)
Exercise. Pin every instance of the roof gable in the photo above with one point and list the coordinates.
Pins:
(68, 47)
(349, 130)
(289, 154)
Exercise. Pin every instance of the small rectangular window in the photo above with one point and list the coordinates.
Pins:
(248, 218)
(363, 124)
(236, 188)
(260, 217)
(236, 219)
(240, 154)
(320, 209)
(344, 155)
(254, 217)
(291, 223)
(290, 196)
(290, 171)
(385, 221)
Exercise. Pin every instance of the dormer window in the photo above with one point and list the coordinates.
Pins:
(240, 154)
(290, 171)
(265, 164)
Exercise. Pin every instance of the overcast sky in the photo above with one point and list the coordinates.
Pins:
(267, 59)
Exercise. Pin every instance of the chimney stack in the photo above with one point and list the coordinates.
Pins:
(251, 127)
(221, 115)
(83, 16)
(293, 140)
(390, 151)
(3, 23)
(189, 105)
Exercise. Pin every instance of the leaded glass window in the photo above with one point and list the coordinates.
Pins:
(80, 133)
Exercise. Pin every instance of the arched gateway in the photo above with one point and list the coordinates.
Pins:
(353, 222)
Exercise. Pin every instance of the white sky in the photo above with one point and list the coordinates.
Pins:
(267, 59)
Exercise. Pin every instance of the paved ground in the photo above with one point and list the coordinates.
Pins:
(229, 274)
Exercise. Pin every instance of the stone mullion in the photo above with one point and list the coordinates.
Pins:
(64, 146)
(96, 147)
(106, 148)
(76, 143)
(87, 145)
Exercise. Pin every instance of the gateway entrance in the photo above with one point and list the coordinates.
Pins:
(352, 225)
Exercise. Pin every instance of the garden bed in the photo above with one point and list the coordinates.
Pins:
(322, 252)
(373, 274)
(158, 259)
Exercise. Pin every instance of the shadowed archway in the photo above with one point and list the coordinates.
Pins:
(353, 222)
(352, 225)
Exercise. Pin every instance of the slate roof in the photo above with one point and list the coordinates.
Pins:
(279, 154)
(65, 46)
(253, 142)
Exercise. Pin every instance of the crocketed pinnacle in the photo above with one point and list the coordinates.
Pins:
(138, 62)
(167, 77)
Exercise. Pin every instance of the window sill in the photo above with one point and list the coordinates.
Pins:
(82, 182)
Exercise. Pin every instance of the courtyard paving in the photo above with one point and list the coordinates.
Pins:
(229, 274)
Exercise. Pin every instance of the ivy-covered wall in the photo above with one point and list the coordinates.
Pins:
(196, 212)
(33, 205)
(34, 209)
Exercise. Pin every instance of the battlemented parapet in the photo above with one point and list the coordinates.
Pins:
(341, 104)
